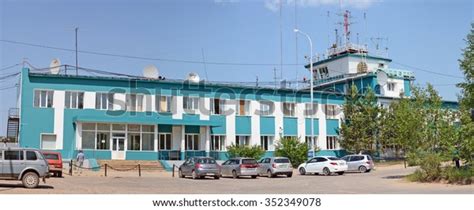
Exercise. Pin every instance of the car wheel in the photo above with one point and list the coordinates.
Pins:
(234, 174)
(194, 175)
(340, 172)
(289, 175)
(362, 169)
(269, 174)
(254, 177)
(181, 175)
(30, 180)
(326, 172)
(302, 171)
(217, 177)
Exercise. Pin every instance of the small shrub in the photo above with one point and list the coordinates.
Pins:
(255, 151)
(293, 149)
(461, 175)
(430, 169)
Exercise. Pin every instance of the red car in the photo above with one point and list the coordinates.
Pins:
(55, 163)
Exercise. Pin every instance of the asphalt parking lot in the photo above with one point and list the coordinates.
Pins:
(385, 180)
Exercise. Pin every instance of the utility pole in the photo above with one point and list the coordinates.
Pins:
(77, 62)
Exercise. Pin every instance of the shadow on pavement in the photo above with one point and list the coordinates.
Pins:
(394, 177)
(11, 186)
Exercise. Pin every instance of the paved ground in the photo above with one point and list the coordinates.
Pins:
(386, 180)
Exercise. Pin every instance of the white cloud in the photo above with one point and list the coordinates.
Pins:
(273, 5)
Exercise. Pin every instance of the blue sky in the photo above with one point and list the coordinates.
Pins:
(427, 35)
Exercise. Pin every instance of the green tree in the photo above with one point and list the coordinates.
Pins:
(465, 143)
(293, 149)
(360, 125)
(255, 151)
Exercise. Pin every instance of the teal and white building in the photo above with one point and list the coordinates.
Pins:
(140, 118)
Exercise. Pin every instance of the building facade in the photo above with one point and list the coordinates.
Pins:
(149, 119)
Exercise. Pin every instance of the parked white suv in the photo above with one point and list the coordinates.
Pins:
(26, 165)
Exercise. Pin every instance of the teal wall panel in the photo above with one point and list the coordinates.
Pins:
(290, 126)
(219, 119)
(243, 125)
(141, 155)
(267, 125)
(332, 127)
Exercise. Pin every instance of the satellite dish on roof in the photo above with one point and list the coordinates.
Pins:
(150, 72)
(193, 77)
(382, 78)
(55, 66)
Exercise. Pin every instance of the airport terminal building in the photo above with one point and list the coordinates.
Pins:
(148, 118)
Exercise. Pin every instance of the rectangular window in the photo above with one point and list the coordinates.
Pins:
(104, 101)
(134, 141)
(266, 107)
(14, 155)
(48, 141)
(103, 140)
(266, 142)
(310, 109)
(190, 104)
(192, 142)
(391, 86)
(164, 142)
(163, 103)
(330, 111)
(331, 142)
(88, 140)
(217, 143)
(217, 106)
(74, 100)
(243, 108)
(311, 142)
(324, 72)
(31, 155)
(148, 139)
(289, 109)
(134, 102)
(43, 98)
(242, 140)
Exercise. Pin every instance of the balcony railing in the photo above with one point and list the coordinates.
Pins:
(399, 73)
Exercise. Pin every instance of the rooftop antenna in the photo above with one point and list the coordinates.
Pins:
(204, 62)
(275, 77)
(256, 80)
(281, 41)
(77, 61)
(296, 43)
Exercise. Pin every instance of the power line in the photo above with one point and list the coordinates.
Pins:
(143, 58)
(432, 72)
(6, 88)
(9, 67)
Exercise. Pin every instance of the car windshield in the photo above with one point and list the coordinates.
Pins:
(249, 161)
(334, 158)
(51, 156)
(281, 160)
(207, 161)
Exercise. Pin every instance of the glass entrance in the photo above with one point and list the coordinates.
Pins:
(119, 142)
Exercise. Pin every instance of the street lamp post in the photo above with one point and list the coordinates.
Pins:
(311, 87)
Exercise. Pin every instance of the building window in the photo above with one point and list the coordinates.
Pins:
(311, 142)
(324, 72)
(163, 103)
(391, 86)
(74, 100)
(289, 109)
(330, 111)
(217, 106)
(148, 137)
(266, 107)
(243, 108)
(104, 101)
(134, 102)
(217, 143)
(310, 110)
(192, 142)
(242, 140)
(331, 142)
(43, 98)
(134, 138)
(190, 104)
(102, 136)
(164, 141)
(266, 142)
(48, 141)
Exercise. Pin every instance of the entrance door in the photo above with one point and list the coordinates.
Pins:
(118, 147)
